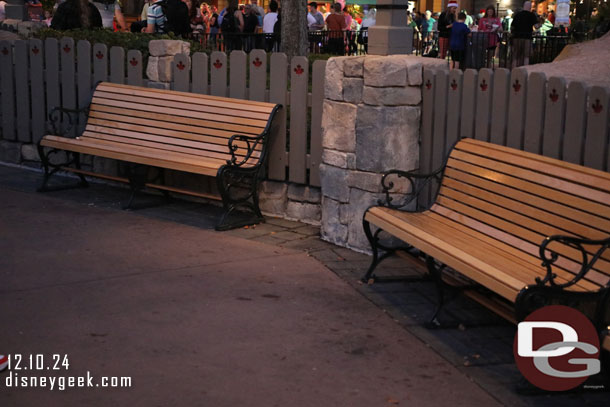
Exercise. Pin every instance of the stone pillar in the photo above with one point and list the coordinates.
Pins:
(390, 34)
(159, 67)
(16, 10)
(370, 124)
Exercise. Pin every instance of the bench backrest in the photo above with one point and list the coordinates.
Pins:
(175, 121)
(521, 198)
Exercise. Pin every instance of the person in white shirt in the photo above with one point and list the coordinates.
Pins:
(270, 18)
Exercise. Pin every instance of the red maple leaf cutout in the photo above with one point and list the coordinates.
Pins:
(99, 55)
(554, 96)
(217, 64)
(454, 85)
(483, 85)
(4, 51)
(299, 70)
(517, 85)
(597, 107)
(180, 65)
(35, 50)
(428, 84)
(67, 49)
(133, 61)
(257, 62)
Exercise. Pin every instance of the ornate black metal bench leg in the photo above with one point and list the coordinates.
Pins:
(374, 241)
(230, 179)
(137, 175)
(436, 272)
(50, 169)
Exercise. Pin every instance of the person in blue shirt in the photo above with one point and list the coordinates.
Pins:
(457, 41)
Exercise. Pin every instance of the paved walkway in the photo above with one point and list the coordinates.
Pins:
(246, 317)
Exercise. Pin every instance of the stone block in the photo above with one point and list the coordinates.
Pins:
(392, 96)
(339, 159)
(414, 72)
(273, 189)
(302, 193)
(367, 181)
(29, 152)
(385, 71)
(334, 183)
(354, 67)
(387, 138)
(331, 230)
(10, 152)
(152, 68)
(359, 202)
(352, 90)
(304, 212)
(273, 206)
(159, 48)
(345, 215)
(159, 69)
(339, 126)
(333, 83)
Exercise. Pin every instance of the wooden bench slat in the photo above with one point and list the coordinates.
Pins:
(495, 255)
(175, 137)
(516, 229)
(192, 97)
(118, 154)
(166, 121)
(539, 178)
(541, 164)
(533, 188)
(236, 114)
(177, 113)
(585, 218)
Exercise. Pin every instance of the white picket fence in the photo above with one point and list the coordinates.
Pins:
(535, 114)
(37, 77)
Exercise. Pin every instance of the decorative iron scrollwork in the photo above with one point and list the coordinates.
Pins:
(417, 183)
(251, 144)
(58, 115)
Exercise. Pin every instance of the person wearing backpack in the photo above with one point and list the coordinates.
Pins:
(165, 16)
(231, 26)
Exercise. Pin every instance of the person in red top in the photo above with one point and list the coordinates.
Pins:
(491, 24)
(336, 25)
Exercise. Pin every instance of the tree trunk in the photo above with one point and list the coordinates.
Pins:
(294, 28)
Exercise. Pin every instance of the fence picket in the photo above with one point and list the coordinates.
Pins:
(317, 98)
(237, 75)
(200, 73)
(117, 65)
(596, 139)
(299, 78)
(83, 78)
(534, 114)
(134, 68)
(258, 75)
(277, 94)
(51, 56)
(501, 85)
(37, 89)
(7, 90)
(454, 100)
(554, 116)
(516, 108)
(440, 118)
(218, 76)
(469, 93)
(576, 119)
(427, 128)
(181, 72)
(483, 110)
(68, 88)
(22, 91)
(100, 63)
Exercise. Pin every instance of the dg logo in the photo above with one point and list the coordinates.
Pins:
(557, 348)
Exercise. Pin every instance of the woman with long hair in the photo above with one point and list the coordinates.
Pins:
(76, 14)
(490, 24)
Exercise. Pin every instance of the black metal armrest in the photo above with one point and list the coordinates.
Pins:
(417, 183)
(57, 115)
(549, 257)
(251, 144)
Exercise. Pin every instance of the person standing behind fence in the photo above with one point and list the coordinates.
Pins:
(445, 22)
(522, 29)
(76, 14)
(490, 24)
(336, 25)
(426, 31)
(268, 23)
(457, 41)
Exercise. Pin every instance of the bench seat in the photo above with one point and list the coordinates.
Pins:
(516, 223)
(199, 134)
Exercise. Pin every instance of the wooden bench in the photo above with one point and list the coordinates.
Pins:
(221, 137)
(531, 229)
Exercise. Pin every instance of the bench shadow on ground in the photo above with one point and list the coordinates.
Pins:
(475, 340)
